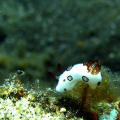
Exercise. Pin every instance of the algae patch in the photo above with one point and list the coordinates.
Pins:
(17, 102)
(81, 103)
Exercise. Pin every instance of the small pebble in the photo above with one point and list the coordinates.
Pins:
(62, 110)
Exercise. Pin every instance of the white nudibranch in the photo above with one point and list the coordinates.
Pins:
(89, 72)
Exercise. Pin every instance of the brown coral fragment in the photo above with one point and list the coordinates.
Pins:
(93, 66)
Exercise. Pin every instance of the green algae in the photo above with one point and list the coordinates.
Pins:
(16, 102)
(19, 102)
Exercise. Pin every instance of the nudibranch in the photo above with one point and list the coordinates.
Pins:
(88, 72)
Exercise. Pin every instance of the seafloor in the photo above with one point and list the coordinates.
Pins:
(20, 102)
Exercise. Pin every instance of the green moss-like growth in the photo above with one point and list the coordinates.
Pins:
(97, 99)
(17, 102)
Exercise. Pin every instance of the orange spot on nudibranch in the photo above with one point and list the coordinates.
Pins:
(93, 66)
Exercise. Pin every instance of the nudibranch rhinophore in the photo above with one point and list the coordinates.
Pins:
(88, 72)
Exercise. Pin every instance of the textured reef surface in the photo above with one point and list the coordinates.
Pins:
(18, 101)
(36, 35)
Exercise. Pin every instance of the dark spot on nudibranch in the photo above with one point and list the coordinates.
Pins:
(69, 77)
(69, 68)
(98, 83)
(85, 79)
(64, 80)
(65, 89)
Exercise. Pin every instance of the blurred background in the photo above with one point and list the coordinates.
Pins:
(36, 35)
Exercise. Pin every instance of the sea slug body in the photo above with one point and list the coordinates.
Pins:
(88, 72)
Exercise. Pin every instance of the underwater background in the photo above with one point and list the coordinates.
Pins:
(37, 35)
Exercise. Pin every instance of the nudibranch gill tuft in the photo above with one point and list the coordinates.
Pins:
(93, 66)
